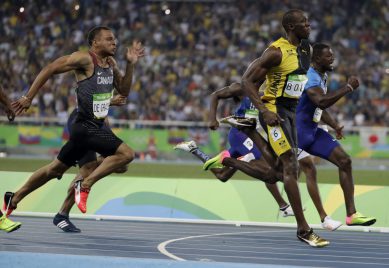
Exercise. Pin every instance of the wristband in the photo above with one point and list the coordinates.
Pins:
(25, 97)
(350, 87)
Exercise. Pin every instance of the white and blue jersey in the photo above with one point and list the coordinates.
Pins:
(308, 114)
(312, 139)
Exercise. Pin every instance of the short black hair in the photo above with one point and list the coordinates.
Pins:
(95, 31)
(318, 49)
(289, 17)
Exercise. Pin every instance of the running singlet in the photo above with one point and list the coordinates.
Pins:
(94, 93)
(308, 114)
(247, 109)
(285, 82)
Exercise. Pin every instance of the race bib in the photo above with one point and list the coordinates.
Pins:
(251, 113)
(275, 133)
(101, 104)
(317, 115)
(248, 143)
(295, 85)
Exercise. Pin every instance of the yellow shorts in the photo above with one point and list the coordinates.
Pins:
(283, 137)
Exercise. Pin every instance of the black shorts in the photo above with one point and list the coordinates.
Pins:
(90, 156)
(283, 137)
(86, 138)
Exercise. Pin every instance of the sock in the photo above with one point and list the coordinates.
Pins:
(201, 155)
(284, 208)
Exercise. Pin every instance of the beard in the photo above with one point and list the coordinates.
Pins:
(329, 68)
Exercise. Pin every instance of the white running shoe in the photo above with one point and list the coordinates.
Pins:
(247, 158)
(330, 224)
(187, 146)
(238, 121)
(287, 212)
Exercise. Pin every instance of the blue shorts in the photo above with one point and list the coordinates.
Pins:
(241, 144)
(319, 142)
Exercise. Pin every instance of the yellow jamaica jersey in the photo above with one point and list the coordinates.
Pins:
(286, 81)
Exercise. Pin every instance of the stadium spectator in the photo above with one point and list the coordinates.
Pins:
(193, 50)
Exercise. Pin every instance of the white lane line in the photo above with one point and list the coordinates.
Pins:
(162, 246)
(195, 221)
(269, 251)
(77, 250)
(241, 247)
(276, 261)
(249, 241)
(95, 252)
(341, 237)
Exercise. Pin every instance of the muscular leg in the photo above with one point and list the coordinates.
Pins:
(343, 161)
(289, 162)
(223, 174)
(258, 169)
(39, 178)
(122, 156)
(308, 167)
(262, 145)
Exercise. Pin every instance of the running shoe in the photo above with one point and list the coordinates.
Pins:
(358, 219)
(7, 225)
(63, 223)
(330, 224)
(216, 162)
(238, 121)
(312, 239)
(80, 196)
(287, 211)
(187, 146)
(7, 205)
(247, 158)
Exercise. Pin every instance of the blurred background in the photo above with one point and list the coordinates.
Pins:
(193, 48)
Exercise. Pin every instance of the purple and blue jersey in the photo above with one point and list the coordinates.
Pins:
(247, 109)
(242, 145)
(312, 139)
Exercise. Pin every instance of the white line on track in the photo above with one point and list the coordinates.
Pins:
(164, 251)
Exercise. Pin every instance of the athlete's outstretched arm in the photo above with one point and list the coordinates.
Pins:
(123, 83)
(231, 91)
(326, 118)
(76, 61)
(256, 74)
(323, 101)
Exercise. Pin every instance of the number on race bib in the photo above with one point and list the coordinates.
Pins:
(295, 85)
(275, 133)
(248, 143)
(101, 103)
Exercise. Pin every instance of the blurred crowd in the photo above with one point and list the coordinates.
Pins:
(193, 48)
